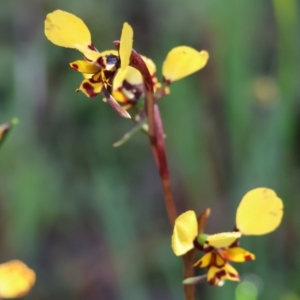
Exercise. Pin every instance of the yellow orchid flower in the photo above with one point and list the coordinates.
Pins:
(259, 212)
(67, 30)
(101, 70)
(16, 279)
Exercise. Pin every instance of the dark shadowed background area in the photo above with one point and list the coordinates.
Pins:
(89, 218)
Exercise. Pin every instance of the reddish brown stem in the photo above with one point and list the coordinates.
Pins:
(188, 259)
(156, 136)
(163, 166)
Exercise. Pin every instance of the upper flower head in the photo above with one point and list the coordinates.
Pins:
(259, 212)
(67, 30)
(111, 72)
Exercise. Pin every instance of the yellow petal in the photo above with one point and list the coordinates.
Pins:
(231, 273)
(133, 76)
(182, 61)
(204, 261)
(184, 233)
(221, 240)
(16, 279)
(87, 76)
(237, 254)
(215, 275)
(126, 45)
(99, 77)
(259, 212)
(219, 260)
(66, 30)
(84, 66)
(90, 88)
(119, 96)
(120, 77)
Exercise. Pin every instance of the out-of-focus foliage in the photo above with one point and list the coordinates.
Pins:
(90, 219)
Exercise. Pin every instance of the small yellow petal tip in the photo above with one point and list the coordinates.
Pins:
(126, 43)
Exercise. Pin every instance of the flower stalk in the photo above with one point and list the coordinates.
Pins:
(156, 137)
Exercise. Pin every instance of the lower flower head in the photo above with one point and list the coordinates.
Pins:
(259, 212)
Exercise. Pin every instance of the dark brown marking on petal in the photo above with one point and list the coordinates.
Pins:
(232, 275)
(101, 62)
(221, 258)
(220, 274)
(92, 80)
(166, 81)
(109, 75)
(92, 47)
(74, 66)
(236, 229)
(248, 257)
(199, 264)
(89, 89)
(213, 259)
(236, 242)
(208, 249)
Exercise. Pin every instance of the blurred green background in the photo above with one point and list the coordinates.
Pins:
(90, 219)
